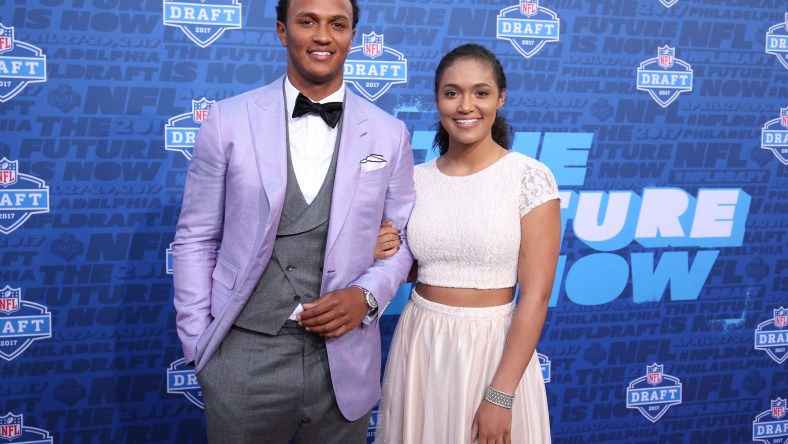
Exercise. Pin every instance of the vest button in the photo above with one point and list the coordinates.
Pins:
(289, 268)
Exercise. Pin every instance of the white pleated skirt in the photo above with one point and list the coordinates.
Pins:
(441, 360)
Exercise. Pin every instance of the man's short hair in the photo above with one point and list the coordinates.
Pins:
(283, 5)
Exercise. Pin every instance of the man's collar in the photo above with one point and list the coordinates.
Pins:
(291, 93)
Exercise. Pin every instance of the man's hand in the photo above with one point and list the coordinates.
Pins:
(335, 313)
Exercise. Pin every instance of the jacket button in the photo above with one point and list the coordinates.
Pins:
(289, 268)
(296, 298)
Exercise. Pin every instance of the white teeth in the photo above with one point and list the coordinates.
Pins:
(320, 53)
(466, 121)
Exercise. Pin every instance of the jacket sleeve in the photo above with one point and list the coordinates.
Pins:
(198, 234)
(384, 276)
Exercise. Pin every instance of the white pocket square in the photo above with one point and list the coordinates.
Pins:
(372, 162)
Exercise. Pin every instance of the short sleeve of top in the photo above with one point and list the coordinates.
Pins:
(538, 186)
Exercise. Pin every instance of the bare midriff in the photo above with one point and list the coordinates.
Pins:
(465, 297)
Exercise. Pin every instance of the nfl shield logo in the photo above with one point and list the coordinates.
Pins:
(9, 300)
(6, 39)
(200, 109)
(8, 171)
(784, 117)
(780, 317)
(654, 373)
(786, 21)
(665, 56)
(778, 408)
(529, 7)
(10, 426)
(373, 44)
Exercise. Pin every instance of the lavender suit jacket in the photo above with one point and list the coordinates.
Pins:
(232, 203)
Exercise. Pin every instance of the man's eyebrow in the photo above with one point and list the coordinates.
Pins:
(314, 15)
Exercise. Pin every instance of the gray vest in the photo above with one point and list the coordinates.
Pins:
(294, 273)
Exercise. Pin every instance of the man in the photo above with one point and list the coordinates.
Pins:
(276, 292)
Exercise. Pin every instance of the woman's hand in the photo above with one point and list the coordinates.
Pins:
(492, 424)
(388, 241)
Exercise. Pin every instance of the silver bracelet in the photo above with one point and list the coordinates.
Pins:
(499, 398)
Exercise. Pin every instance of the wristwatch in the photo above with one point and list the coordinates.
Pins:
(369, 299)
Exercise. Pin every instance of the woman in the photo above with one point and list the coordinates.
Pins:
(462, 365)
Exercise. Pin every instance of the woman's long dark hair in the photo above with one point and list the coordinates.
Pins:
(501, 132)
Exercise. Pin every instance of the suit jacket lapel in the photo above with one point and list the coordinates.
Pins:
(352, 148)
(269, 137)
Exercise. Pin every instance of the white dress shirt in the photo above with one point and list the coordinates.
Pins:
(311, 143)
(311, 147)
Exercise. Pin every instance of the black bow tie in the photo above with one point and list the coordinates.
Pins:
(330, 112)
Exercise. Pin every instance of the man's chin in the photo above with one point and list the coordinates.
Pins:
(321, 77)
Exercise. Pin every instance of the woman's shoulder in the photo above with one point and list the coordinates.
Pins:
(425, 173)
(520, 159)
(526, 165)
(425, 167)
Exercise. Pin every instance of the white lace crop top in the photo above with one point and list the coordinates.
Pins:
(465, 230)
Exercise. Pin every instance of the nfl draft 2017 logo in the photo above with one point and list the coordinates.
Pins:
(372, 67)
(654, 393)
(12, 429)
(528, 27)
(777, 41)
(771, 427)
(544, 363)
(20, 64)
(774, 136)
(181, 379)
(21, 323)
(180, 131)
(772, 336)
(203, 21)
(664, 76)
(21, 196)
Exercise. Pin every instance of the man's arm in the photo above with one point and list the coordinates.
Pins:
(385, 276)
(199, 234)
(337, 312)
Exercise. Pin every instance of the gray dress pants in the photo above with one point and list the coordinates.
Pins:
(263, 389)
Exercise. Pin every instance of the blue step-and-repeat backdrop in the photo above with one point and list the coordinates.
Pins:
(664, 121)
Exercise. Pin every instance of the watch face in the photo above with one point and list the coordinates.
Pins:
(371, 302)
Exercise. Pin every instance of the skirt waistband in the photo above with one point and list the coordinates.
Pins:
(494, 312)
